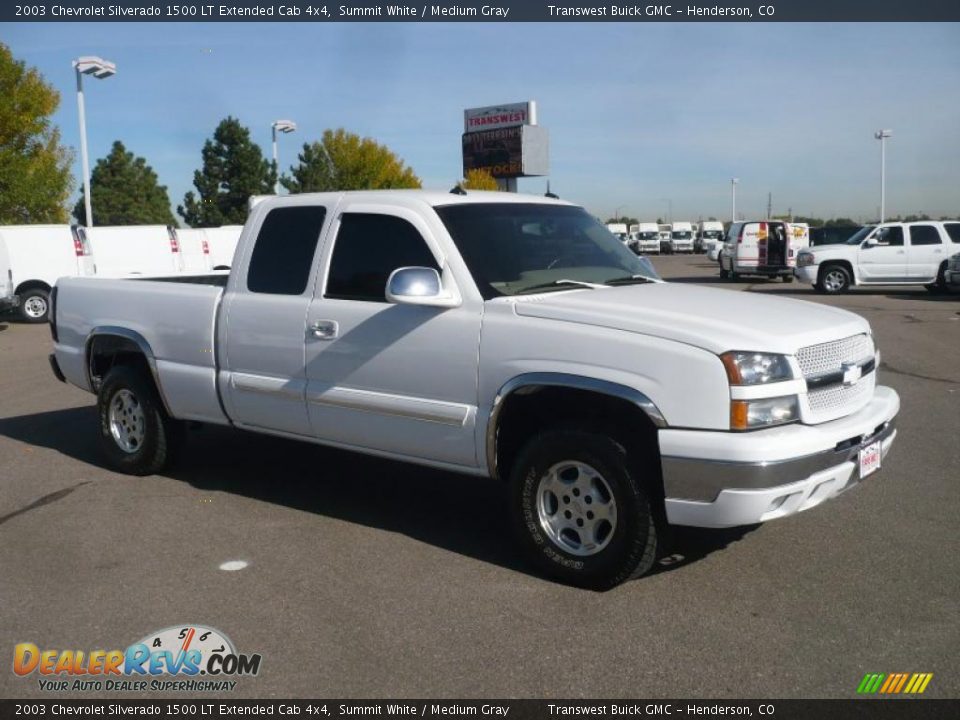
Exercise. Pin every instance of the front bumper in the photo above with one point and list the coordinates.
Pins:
(717, 479)
(952, 278)
(807, 274)
(9, 303)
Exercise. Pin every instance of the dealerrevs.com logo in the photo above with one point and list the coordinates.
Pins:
(181, 658)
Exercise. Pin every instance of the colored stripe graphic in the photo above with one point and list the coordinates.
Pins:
(894, 683)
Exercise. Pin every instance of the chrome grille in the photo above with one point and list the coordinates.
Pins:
(829, 357)
(835, 397)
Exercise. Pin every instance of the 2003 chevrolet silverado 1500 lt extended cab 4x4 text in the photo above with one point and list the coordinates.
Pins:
(500, 335)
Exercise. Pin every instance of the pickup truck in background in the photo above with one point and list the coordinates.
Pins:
(498, 335)
(893, 253)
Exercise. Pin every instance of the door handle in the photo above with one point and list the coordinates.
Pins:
(324, 329)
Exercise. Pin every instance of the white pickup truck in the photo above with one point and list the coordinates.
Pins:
(499, 335)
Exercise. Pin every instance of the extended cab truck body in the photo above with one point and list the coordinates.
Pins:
(897, 253)
(39, 254)
(500, 335)
(763, 247)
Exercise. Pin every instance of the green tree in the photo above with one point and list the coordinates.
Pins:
(233, 169)
(344, 161)
(124, 191)
(479, 179)
(35, 177)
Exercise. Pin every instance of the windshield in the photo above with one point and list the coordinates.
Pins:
(512, 247)
(712, 234)
(648, 235)
(682, 235)
(860, 234)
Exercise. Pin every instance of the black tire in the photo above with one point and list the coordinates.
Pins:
(34, 305)
(632, 544)
(833, 279)
(160, 436)
(787, 278)
(940, 286)
(724, 274)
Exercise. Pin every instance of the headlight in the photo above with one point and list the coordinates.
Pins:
(749, 368)
(805, 259)
(766, 412)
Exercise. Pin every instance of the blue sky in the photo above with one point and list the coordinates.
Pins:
(637, 113)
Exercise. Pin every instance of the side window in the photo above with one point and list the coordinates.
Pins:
(924, 235)
(953, 230)
(892, 235)
(283, 253)
(368, 248)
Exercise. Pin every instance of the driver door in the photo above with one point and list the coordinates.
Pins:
(396, 378)
(883, 255)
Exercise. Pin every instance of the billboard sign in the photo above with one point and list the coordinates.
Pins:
(507, 152)
(494, 117)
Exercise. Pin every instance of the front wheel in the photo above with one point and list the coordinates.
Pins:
(136, 435)
(833, 280)
(34, 305)
(581, 513)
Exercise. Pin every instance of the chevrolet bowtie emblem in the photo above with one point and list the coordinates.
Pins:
(851, 374)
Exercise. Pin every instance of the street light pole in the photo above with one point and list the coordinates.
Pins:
(284, 126)
(882, 136)
(100, 69)
(733, 199)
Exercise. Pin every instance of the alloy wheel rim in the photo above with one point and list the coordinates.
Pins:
(834, 280)
(127, 421)
(576, 508)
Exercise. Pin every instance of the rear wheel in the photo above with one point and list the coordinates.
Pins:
(581, 511)
(833, 280)
(34, 305)
(940, 286)
(136, 435)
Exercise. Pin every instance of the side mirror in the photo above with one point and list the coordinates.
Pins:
(418, 286)
(869, 243)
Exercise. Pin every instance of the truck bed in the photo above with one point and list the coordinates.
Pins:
(174, 318)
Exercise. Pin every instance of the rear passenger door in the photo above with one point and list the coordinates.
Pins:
(926, 252)
(262, 320)
(393, 378)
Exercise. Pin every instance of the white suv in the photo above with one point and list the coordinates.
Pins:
(897, 253)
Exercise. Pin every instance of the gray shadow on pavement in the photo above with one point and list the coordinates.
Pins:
(460, 513)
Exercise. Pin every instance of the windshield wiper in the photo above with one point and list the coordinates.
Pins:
(630, 280)
(559, 284)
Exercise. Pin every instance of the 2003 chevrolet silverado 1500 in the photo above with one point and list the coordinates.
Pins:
(499, 335)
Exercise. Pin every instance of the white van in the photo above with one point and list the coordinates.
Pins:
(223, 244)
(194, 250)
(7, 297)
(681, 237)
(647, 238)
(39, 255)
(665, 245)
(763, 247)
(126, 250)
(709, 236)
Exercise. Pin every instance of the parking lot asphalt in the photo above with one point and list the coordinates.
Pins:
(369, 578)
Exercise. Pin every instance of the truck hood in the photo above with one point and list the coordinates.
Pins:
(831, 252)
(713, 319)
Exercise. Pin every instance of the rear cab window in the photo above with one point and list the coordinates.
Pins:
(953, 231)
(283, 253)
